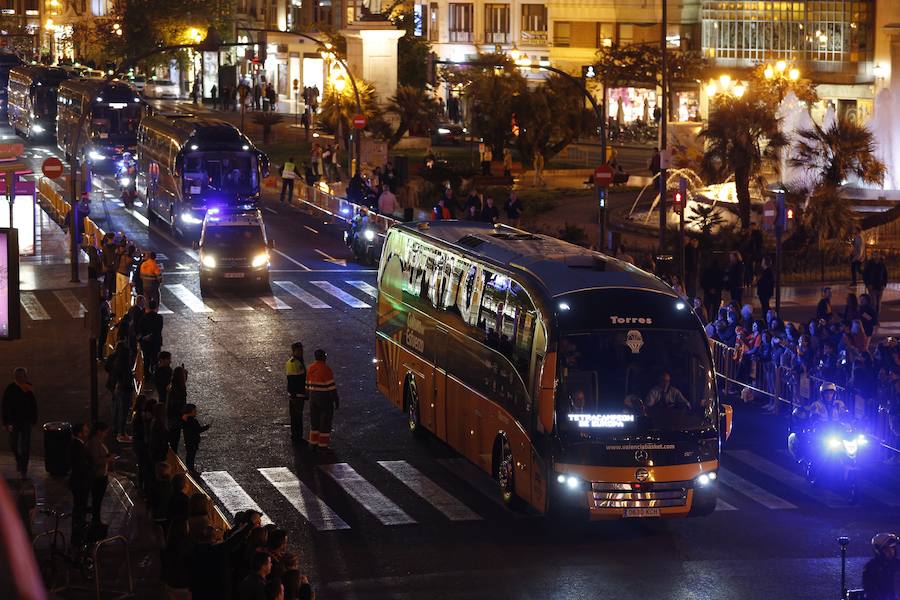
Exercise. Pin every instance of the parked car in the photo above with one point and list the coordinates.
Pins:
(161, 88)
(448, 134)
(138, 82)
(93, 74)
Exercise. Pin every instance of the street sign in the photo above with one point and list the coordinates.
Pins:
(11, 150)
(603, 176)
(360, 121)
(52, 167)
(769, 210)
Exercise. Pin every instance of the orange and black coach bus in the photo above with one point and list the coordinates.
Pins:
(583, 384)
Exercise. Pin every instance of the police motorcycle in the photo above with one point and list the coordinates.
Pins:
(360, 236)
(825, 444)
(126, 171)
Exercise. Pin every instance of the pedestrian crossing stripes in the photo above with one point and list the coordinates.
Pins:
(300, 294)
(164, 310)
(364, 288)
(232, 495)
(303, 499)
(188, 298)
(340, 294)
(72, 305)
(276, 303)
(33, 307)
(311, 504)
(429, 491)
(379, 505)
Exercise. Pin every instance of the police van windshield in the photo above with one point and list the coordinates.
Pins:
(235, 239)
(634, 380)
(229, 173)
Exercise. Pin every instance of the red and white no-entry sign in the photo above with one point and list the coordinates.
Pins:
(360, 121)
(52, 167)
(603, 176)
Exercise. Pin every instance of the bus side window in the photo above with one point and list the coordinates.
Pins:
(523, 319)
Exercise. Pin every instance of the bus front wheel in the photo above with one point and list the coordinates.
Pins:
(411, 402)
(505, 473)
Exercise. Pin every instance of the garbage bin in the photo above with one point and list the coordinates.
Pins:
(57, 439)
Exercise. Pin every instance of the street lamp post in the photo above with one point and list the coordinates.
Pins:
(664, 118)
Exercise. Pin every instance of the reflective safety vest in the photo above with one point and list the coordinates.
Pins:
(295, 371)
(150, 269)
(320, 382)
(288, 172)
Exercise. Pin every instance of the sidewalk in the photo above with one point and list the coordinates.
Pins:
(55, 352)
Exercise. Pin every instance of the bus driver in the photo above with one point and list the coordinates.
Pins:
(667, 395)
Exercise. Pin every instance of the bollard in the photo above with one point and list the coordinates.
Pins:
(843, 541)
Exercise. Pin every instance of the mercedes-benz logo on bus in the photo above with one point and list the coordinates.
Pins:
(641, 455)
(642, 474)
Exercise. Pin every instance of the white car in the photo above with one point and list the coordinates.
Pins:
(138, 82)
(161, 88)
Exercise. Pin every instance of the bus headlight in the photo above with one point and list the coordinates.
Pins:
(94, 155)
(260, 260)
(369, 235)
(570, 481)
(125, 181)
(208, 261)
(37, 128)
(706, 478)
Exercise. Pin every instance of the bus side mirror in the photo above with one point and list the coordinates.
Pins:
(727, 416)
(271, 244)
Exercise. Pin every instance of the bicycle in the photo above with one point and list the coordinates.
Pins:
(81, 556)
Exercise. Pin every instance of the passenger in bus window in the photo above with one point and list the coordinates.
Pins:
(667, 395)
(577, 403)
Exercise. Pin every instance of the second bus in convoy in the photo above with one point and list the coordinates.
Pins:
(97, 121)
(8, 61)
(189, 164)
(581, 383)
(33, 91)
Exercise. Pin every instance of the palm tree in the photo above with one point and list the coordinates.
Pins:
(416, 109)
(740, 134)
(339, 107)
(844, 149)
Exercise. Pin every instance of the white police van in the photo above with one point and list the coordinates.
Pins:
(234, 249)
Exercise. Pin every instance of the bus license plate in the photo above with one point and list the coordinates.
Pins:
(234, 275)
(641, 512)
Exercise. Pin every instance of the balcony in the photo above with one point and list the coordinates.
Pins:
(533, 38)
(496, 37)
(461, 37)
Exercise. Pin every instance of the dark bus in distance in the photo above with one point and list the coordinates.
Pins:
(188, 164)
(97, 121)
(8, 60)
(33, 93)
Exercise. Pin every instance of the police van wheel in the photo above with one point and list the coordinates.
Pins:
(413, 419)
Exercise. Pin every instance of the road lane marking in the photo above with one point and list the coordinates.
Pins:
(381, 507)
(365, 288)
(311, 229)
(33, 307)
(303, 499)
(231, 494)
(138, 217)
(753, 491)
(296, 262)
(330, 288)
(331, 259)
(72, 304)
(235, 303)
(271, 210)
(276, 303)
(188, 298)
(788, 478)
(429, 491)
(722, 505)
(300, 294)
(163, 309)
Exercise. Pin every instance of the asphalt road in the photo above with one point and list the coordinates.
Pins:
(387, 516)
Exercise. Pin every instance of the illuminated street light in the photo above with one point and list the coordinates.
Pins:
(339, 83)
(780, 66)
(725, 81)
(794, 74)
(769, 73)
(195, 34)
(738, 90)
(712, 89)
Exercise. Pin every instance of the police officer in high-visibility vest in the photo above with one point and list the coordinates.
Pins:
(323, 401)
(295, 371)
(288, 174)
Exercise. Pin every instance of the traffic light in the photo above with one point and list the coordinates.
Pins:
(680, 197)
(430, 69)
(263, 47)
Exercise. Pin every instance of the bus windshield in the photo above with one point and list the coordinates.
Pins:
(230, 173)
(44, 101)
(633, 381)
(116, 125)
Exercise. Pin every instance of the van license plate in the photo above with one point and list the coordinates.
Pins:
(234, 275)
(641, 512)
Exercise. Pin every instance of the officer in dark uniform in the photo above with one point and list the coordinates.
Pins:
(295, 371)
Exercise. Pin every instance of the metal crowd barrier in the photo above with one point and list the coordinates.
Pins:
(787, 390)
(320, 197)
(217, 518)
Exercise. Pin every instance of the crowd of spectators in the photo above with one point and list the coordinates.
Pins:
(249, 561)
